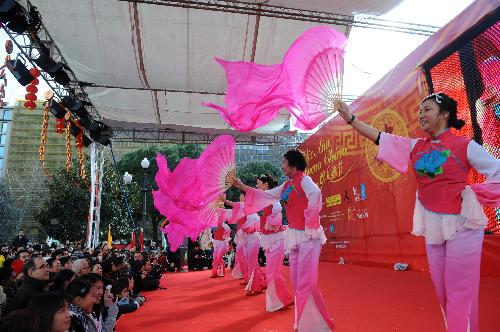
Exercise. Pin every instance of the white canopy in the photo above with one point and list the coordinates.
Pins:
(150, 63)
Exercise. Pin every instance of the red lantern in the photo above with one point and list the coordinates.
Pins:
(35, 81)
(35, 72)
(31, 88)
(30, 96)
(60, 125)
(30, 105)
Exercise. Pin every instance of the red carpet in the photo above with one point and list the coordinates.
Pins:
(361, 299)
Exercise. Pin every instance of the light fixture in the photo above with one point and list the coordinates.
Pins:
(127, 178)
(145, 163)
(19, 71)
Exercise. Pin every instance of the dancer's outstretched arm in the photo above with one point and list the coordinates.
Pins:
(361, 127)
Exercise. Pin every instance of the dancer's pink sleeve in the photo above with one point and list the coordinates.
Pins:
(487, 193)
(314, 202)
(276, 218)
(236, 213)
(395, 151)
(256, 200)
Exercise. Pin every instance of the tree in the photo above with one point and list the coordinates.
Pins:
(131, 162)
(8, 213)
(248, 174)
(65, 211)
(64, 214)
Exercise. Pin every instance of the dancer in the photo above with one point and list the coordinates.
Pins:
(447, 212)
(221, 246)
(273, 242)
(303, 238)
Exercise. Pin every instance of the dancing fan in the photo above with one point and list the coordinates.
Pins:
(307, 83)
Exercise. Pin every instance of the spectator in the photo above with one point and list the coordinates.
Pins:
(97, 269)
(120, 289)
(9, 286)
(20, 321)
(104, 310)
(20, 240)
(197, 259)
(23, 255)
(82, 301)
(61, 280)
(66, 263)
(36, 276)
(52, 311)
(54, 265)
(81, 267)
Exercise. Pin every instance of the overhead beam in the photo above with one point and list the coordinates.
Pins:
(258, 9)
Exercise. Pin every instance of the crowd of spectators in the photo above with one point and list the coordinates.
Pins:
(63, 288)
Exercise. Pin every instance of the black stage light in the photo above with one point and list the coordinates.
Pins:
(18, 19)
(74, 129)
(86, 141)
(61, 76)
(57, 109)
(101, 133)
(46, 63)
(20, 72)
(71, 103)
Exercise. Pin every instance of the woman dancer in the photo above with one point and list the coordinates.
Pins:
(221, 246)
(303, 238)
(447, 211)
(273, 242)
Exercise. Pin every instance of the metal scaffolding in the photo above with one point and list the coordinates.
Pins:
(259, 9)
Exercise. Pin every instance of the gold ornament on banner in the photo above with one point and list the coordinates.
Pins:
(68, 142)
(79, 145)
(45, 125)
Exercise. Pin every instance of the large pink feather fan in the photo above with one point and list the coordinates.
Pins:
(216, 166)
(315, 68)
(306, 83)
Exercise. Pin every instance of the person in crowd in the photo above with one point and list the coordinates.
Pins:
(196, 258)
(36, 276)
(82, 303)
(97, 269)
(52, 311)
(54, 265)
(61, 280)
(66, 263)
(105, 310)
(120, 289)
(22, 320)
(9, 286)
(81, 267)
(20, 240)
(448, 212)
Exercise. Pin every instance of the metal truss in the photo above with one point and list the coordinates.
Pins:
(30, 45)
(297, 14)
(174, 136)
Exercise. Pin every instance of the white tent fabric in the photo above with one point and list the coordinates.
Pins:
(153, 65)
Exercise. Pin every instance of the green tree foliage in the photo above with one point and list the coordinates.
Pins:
(248, 173)
(65, 211)
(7, 213)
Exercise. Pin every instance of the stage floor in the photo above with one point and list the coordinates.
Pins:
(360, 298)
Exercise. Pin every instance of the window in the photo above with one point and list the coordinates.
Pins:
(2, 151)
(4, 127)
(1, 164)
(6, 115)
(3, 138)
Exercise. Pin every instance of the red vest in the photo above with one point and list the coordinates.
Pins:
(219, 233)
(441, 168)
(268, 210)
(297, 202)
(240, 223)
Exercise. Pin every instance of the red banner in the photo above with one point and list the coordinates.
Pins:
(367, 206)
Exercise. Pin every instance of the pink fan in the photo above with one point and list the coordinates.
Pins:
(315, 68)
(255, 94)
(306, 83)
(216, 166)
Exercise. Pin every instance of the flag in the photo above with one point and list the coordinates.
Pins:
(110, 238)
(163, 241)
(141, 240)
(132, 242)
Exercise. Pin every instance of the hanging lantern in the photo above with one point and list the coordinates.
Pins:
(45, 125)
(68, 142)
(32, 90)
(60, 125)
